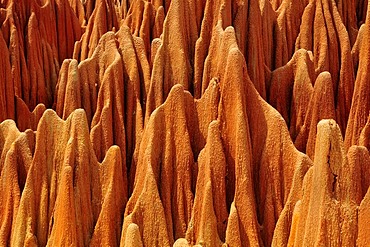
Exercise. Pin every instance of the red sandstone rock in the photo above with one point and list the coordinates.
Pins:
(365, 135)
(331, 51)
(294, 82)
(247, 159)
(146, 21)
(322, 95)
(33, 45)
(332, 189)
(361, 10)
(69, 185)
(363, 219)
(286, 30)
(172, 60)
(26, 119)
(172, 173)
(360, 109)
(103, 19)
(178, 103)
(16, 157)
(209, 216)
(287, 222)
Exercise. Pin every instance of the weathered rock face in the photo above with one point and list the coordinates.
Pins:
(184, 123)
(326, 213)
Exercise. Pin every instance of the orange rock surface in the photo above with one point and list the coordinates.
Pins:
(184, 123)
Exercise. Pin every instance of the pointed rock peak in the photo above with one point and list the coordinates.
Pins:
(48, 118)
(323, 80)
(133, 237)
(103, 19)
(114, 179)
(365, 135)
(26, 119)
(329, 156)
(79, 117)
(221, 43)
(332, 51)
(52, 128)
(290, 89)
(172, 63)
(15, 159)
(302, 56)
(329, 140)
(213, 132)
(229, 38)
(304, 79)
(233, 237)
(181, 242)
(210, 98)
(287, 225)
(8, 134)
(176, 91)
(175, 99)
(67, 31)
(211, 173)
(360, 107)
(68, 89)
(8, 127)
(322, 96)
(165, 150)
(113, 154)
(287, 26)
(106, 45)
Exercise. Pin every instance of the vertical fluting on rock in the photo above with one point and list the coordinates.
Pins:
(287, 222)
(360, 109)
(286, 31)
(103, 19)
(15, 162)
(322, 95)
(295, 82)
(331, 51)
(247, 21)
(209, 215)
(172, 63)
(331, 193)
(35, 45)
(178, 142)
(171, 173)
(66, 183)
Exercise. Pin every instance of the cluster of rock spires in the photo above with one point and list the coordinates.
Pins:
(184, 123)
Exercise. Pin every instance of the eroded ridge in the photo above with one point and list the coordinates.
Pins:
(184, 123)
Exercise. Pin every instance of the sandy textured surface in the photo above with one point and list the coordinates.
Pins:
(184, 123)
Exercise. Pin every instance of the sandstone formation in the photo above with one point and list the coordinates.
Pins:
(184, 123)
(326, 213)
